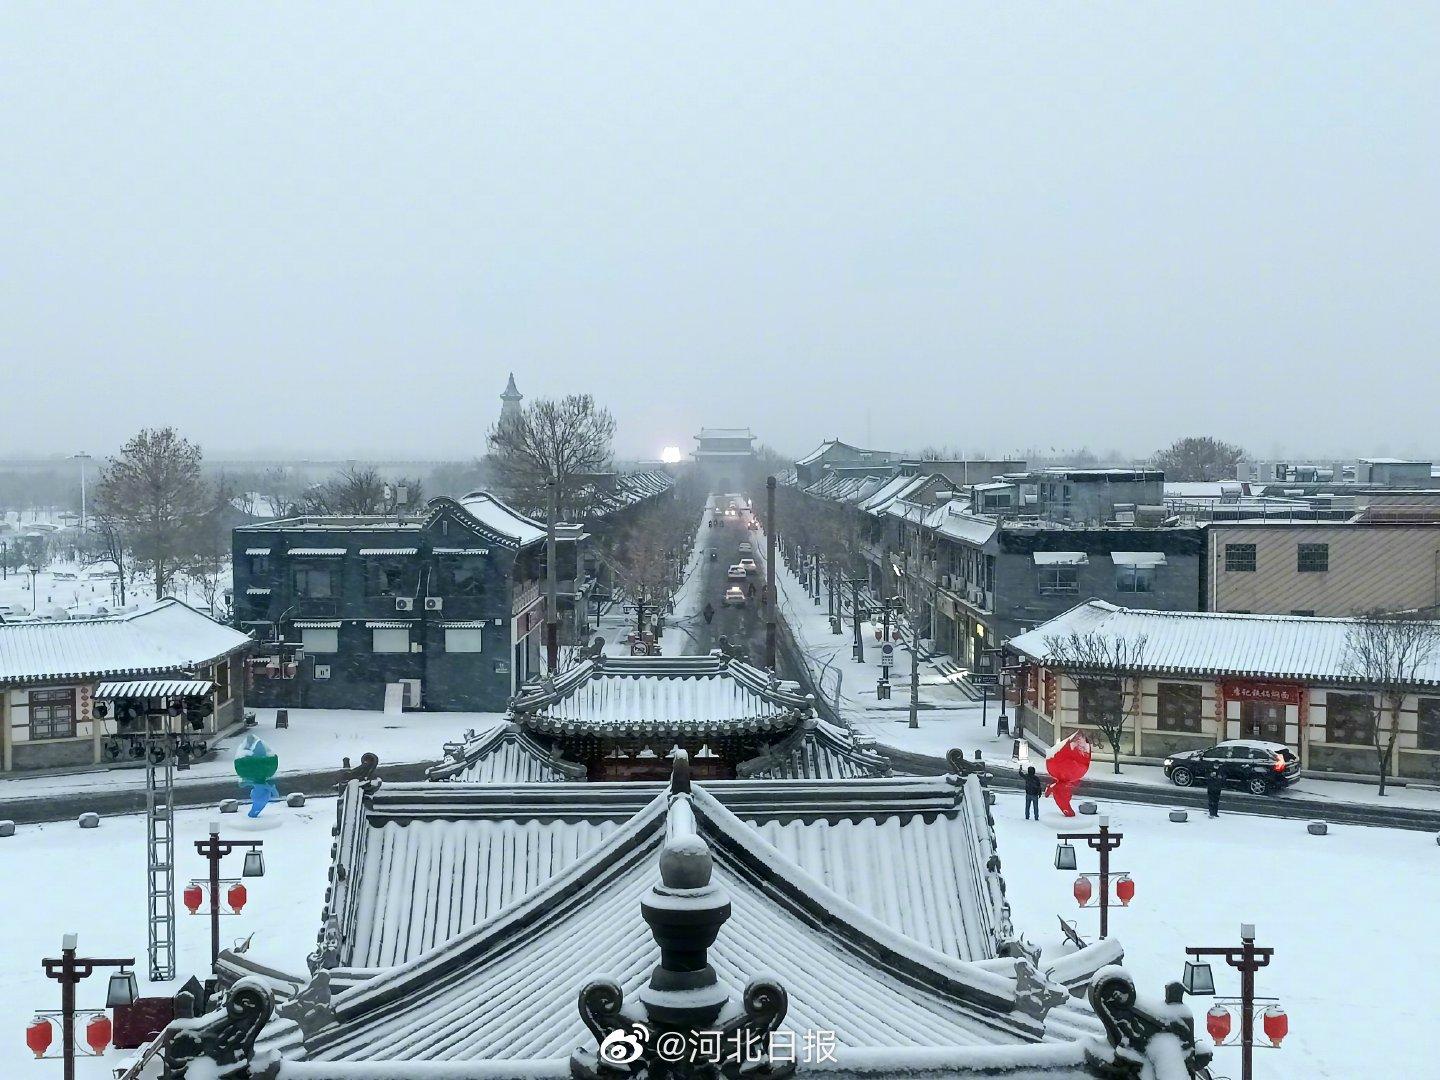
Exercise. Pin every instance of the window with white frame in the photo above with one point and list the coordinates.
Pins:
(463, 639)
(388, 640)
(320, 639)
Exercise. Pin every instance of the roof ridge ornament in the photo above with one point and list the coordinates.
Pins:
(685, 1022)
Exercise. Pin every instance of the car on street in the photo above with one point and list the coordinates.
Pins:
(749, 565)
(746, 548)
(1261, 768)
(734, 596)
(736, 573)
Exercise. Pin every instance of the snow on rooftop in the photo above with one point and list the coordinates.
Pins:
(500, 518)
(1216, 643)
(166, 636)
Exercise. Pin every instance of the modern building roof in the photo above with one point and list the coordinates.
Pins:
(166, 636)
(660, 696)
(1215, 643)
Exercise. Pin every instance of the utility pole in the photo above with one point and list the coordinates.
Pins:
(552, 585)
(770, 572)
(855, 618)
(914, 673)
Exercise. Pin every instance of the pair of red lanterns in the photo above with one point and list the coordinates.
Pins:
(880, 634)
(1124, 890)
(235, 896)
(41, 1033)
(1275, 1023)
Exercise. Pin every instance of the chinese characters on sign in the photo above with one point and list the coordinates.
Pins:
(1273, 693)
(784, 1046)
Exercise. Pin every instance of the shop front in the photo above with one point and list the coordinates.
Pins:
(1264, 710)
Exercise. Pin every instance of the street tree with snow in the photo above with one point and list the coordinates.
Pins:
(155, 497)
(1386, 654)
(567, 438)
(1100, 665)
(1198, 457)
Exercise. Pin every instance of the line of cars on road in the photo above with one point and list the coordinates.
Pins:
(735, 596)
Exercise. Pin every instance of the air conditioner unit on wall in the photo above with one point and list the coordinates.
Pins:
(404, 603)
(322, 671)
(434, 603)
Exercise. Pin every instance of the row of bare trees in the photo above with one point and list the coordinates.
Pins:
(1386, 655)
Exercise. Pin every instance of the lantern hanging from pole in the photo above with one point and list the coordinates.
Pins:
(1276, 1024)
(1125, 890)
(1083, 890)
(878, 633)
(1217, 1023)
(38, 1036)
(236, 896)
(192, 897)
(97, 1033)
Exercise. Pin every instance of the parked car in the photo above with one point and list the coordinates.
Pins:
(749, 565)
(734, 596)
(1261, 768)
(736, 573)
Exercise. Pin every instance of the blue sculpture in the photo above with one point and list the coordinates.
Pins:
(256, 765)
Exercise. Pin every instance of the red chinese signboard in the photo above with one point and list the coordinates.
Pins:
(1269, 692)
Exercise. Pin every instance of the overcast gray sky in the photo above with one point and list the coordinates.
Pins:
(336, 228)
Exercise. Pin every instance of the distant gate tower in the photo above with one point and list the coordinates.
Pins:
(510, 400)
(724, 457)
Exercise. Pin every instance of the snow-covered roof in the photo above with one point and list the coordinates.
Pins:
(154, 688)
(499, 518)
(663, 696)
(816, 750)
(725, 433)
(503, 754)
(913, 855)
(1138, 558)
(1061, 558)
(1216, 643)
(897, 487)
(164, 637)
(954, 521)
(372, 551)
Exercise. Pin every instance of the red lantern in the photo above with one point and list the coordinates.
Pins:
(878, 632)
(97, 1033)
(1083, 890)
(1276, 1024)
(1217, 1023)
(38, 1036)
(236, 896)
(1125, 890)
(192, 897)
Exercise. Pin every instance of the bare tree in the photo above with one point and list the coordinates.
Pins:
(107, 528)
(354, 490)
(34, 551)
(1198, 457)
(1105, 670)
(646, 567)
(565, 439)
(153, 489)
(1388, 654)
(277, 492)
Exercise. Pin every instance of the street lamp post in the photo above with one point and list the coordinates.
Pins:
(68, 971)
(82, 457)
(1247, 959)
(1102, 841)
(214, 849)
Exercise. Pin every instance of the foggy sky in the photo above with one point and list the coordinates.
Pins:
(335, 229)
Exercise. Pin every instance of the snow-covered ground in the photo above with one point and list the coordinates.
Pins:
(1349, 915)
(65, 588)
(949, 719)
(316, 739)
(616, 623)
(92, 882)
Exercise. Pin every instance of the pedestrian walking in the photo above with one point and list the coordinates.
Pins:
(1033, 788)
(1214, 785)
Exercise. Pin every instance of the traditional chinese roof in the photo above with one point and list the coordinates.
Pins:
(816, 750)
(1215, 643)
(418, 863)
(503, 754)
(166, 636)
(661, 697)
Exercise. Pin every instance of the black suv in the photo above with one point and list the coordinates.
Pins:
(1261, 768)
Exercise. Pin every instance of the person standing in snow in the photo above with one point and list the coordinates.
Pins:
(1214, 785)
(1033, 788)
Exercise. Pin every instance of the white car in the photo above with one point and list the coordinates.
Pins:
(749, 565)
(745, 548)
(736, 573)
(734, 596)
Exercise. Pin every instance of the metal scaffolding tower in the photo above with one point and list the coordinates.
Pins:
(160, 844)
